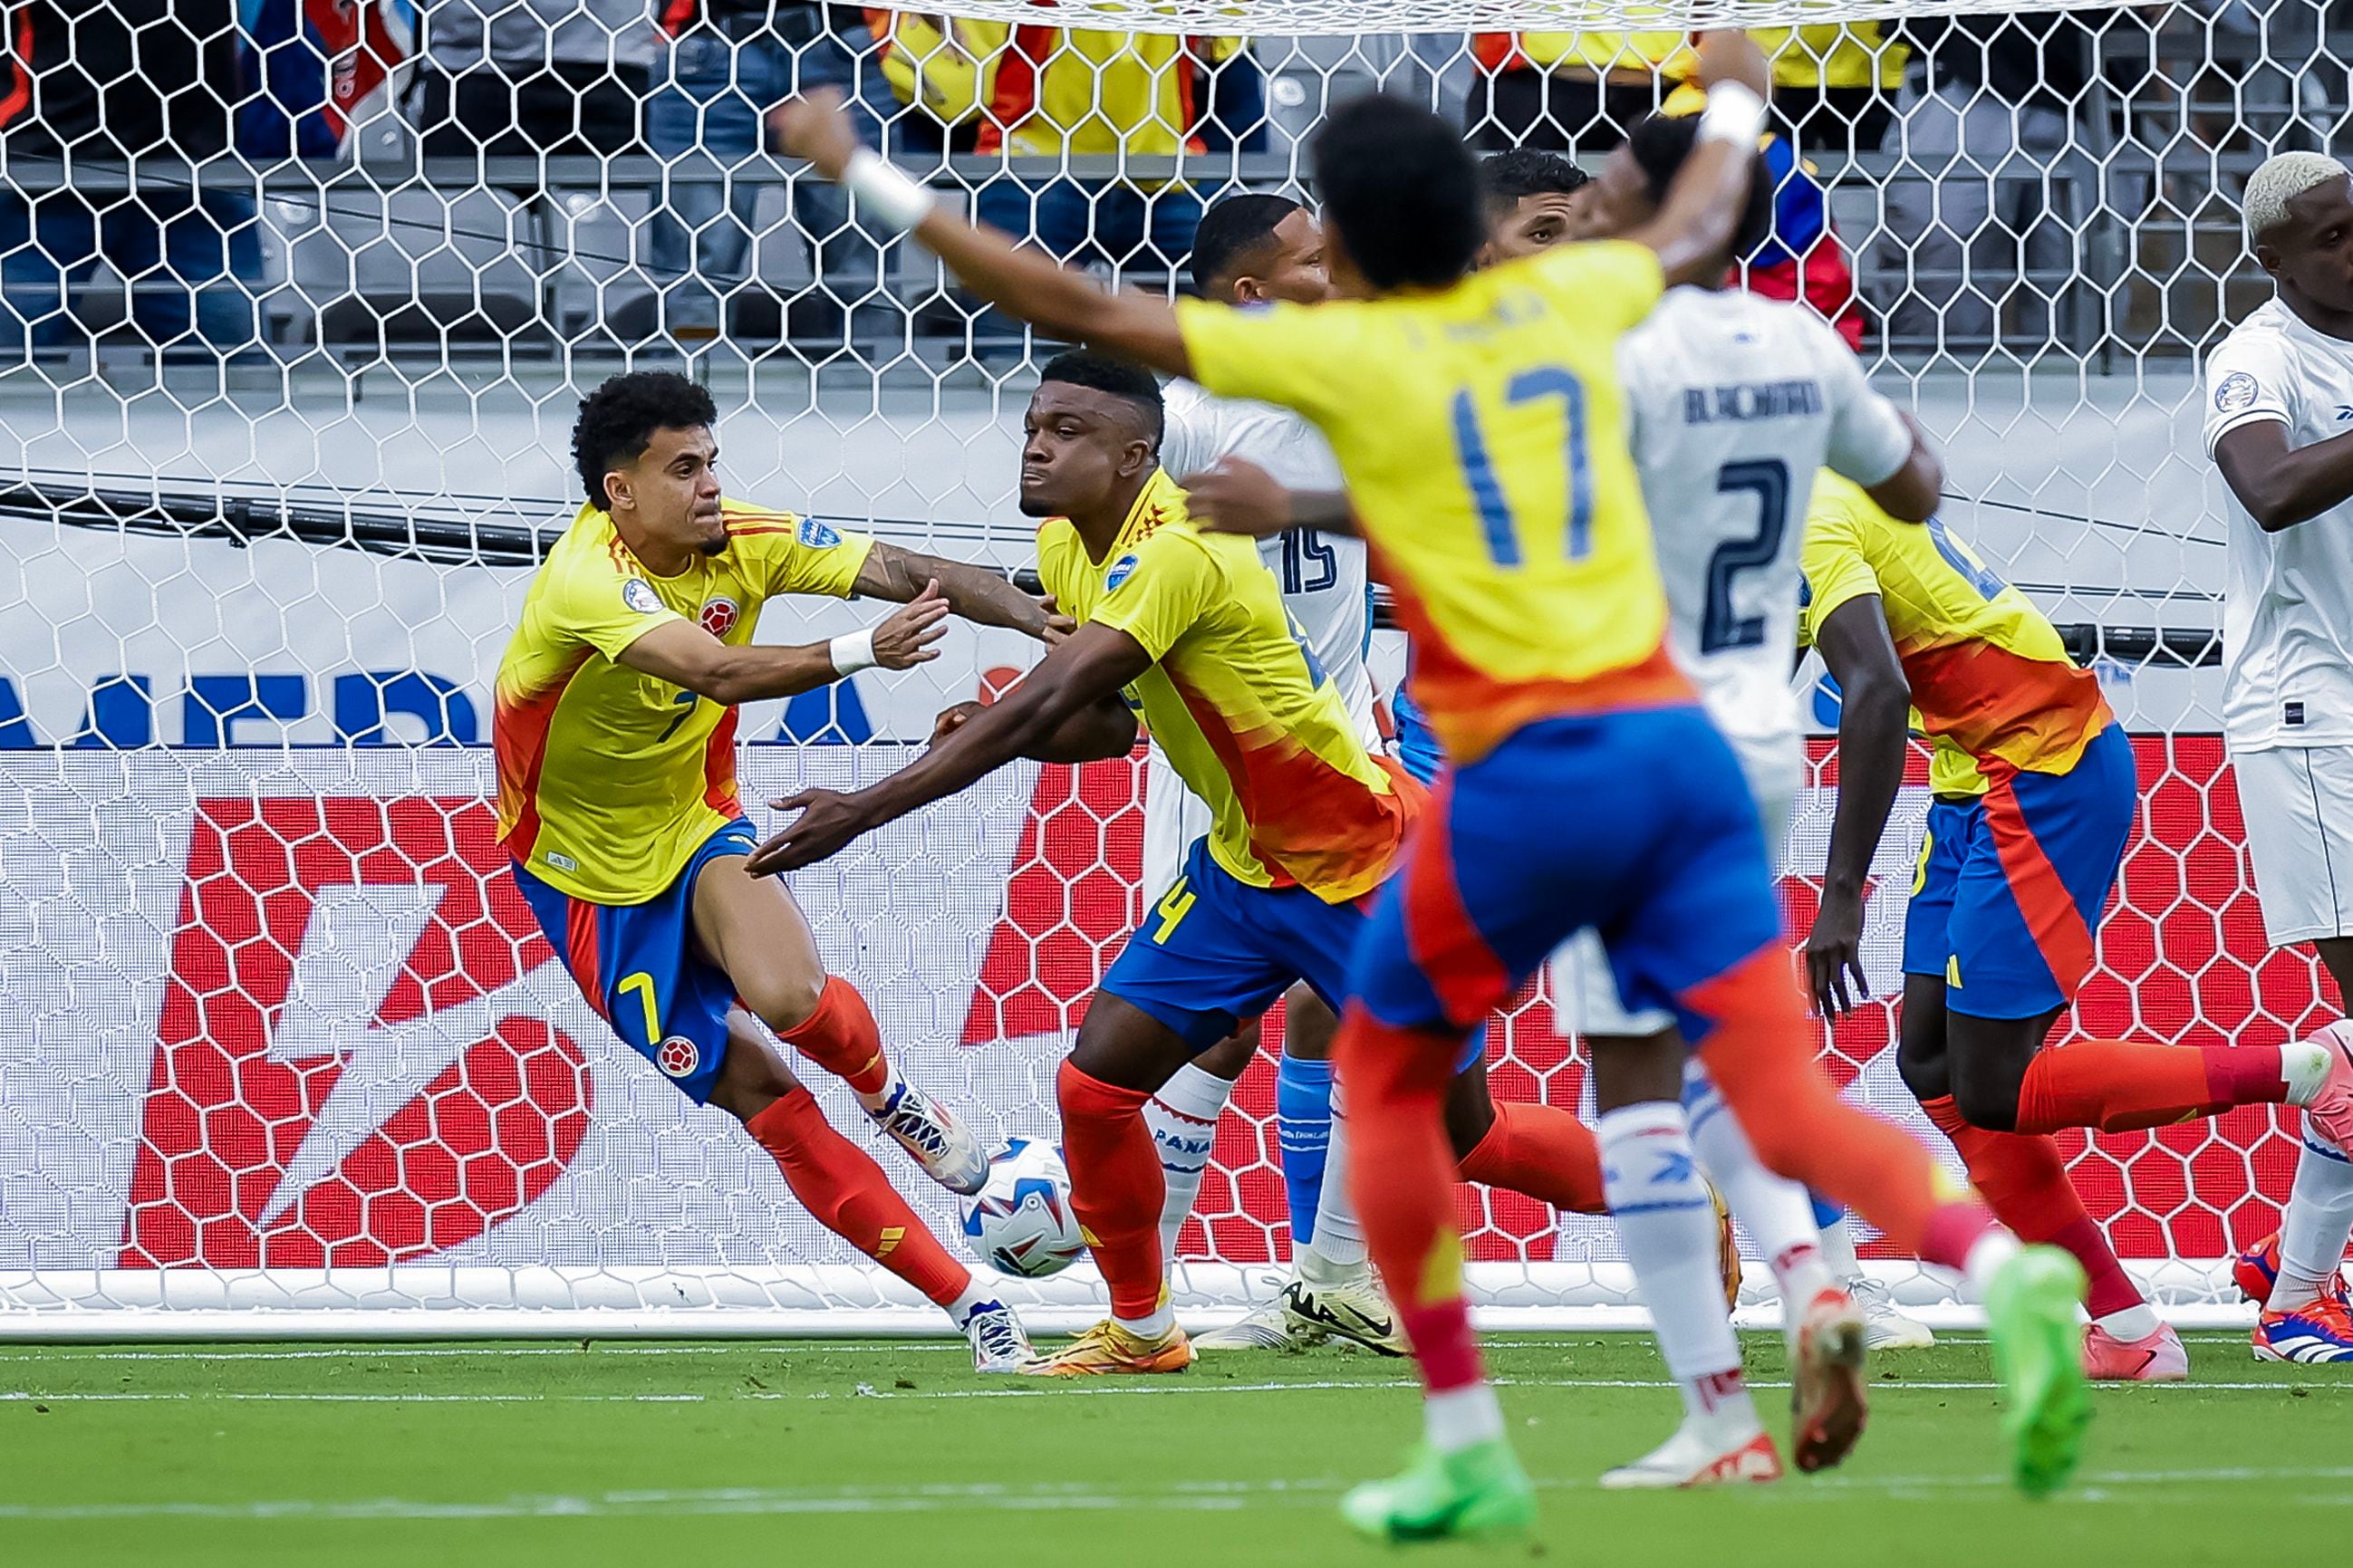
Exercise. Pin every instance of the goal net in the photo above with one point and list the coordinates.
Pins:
(288, 363)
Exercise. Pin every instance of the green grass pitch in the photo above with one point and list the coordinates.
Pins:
(819, 1453)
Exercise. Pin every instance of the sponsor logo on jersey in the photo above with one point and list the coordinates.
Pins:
(678, 1056)
(2237, 390)
(1121, 571)
(817, 535)
(639, 595)
(719, 617)
(2344, 412)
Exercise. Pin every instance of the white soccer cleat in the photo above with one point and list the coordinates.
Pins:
(941, 1144)
(1354, 1311)
(1692, 1458)
(999, 1343)
(1269, 1326)
(1884, 1326)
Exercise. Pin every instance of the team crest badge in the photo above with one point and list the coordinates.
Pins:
(678, 1056)
(717, 617)
(1121, 571)
(817, 535)
(2237, 392)
(639, 595)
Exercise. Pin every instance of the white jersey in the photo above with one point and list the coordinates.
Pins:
(1324, 584)
(2287, 597)
(1733, 403)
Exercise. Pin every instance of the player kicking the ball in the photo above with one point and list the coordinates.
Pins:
(615, 736)
(1477, 421)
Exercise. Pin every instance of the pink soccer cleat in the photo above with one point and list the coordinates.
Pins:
(2154, 1358)
(2331, 1110)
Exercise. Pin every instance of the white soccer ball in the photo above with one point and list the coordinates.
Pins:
(1020, 1221)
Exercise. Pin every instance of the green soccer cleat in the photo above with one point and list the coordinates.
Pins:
(2037, 1354)
(1477, 1491)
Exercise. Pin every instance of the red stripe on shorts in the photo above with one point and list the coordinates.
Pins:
(581, 954)
(2052, 917)
(1463, 970)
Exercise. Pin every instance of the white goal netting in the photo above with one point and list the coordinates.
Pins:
(299, 298)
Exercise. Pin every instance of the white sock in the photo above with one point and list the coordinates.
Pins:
(974, 1294)
(1183, 1117)
(1668, 1227)
(1152, 1325)
(1461, 1417)
(2312, 1235)
(1774, 1211)
(1838, 1250)
(2304, 1065)
(2132, 1323)
(1986, 1256)
(1337, 1251)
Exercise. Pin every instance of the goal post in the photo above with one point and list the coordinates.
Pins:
(282, 1053)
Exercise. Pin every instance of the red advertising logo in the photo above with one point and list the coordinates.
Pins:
(349, 1069)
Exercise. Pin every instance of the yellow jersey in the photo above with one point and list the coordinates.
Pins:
(1235, 700)
(1991, 683)
(609, 779)
(1480, 432)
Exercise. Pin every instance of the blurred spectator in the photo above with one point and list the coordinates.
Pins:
(1062, 93)
(1835, 85)
(730, 62)
(930, 63)
(1568, 92)
(1968, 222)
(527, 77)
(143, 83)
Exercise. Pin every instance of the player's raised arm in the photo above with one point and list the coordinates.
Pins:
(1703, 206)
(1068, 695)
(1875, 708)
(685, 655)
(1029, 284)
(974, 593)
(1234, 495)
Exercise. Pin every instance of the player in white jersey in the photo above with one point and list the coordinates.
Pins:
(1253, 248)
(1733, 402)
(2279, 424)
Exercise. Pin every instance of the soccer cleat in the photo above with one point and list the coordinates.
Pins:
(941, 1144)
(2319, 1333)
(2331, 1110)
(1354, 1311)
(1884, 1325)
(2030, 1311)
(1269, 1326)
(1826, 1387)
(2256, 1270)
(1108, 1350)
(2159, 1357)
(1475, 1491)
(999, 1343)
(1691, 1459)
(1727, 1247)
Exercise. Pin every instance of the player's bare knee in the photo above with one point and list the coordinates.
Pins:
(1228, 1056)
(784, 1002)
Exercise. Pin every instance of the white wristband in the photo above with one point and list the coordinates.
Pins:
(853, 651)
(1734, 113)
(887, 193)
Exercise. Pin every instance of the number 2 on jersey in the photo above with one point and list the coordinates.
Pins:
(1768, 478)
(1479, 471)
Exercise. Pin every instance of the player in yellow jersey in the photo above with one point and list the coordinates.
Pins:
(2035, 794)
(1478, 426)
(615, 736)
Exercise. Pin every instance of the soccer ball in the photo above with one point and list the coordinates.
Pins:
(1021, 1220)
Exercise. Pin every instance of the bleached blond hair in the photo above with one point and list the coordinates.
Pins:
(2283, 177)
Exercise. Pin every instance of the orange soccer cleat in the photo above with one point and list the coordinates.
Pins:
(1826, 1391)
(1108, 1350)
(2157, 1357)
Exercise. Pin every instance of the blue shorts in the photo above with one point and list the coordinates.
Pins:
(2010, 885)
(1638, 824)
(1215, 951)
(639, 968)
(1417, 748)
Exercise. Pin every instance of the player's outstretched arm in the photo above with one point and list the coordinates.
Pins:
(1874, 710)
(1696, 221)
(2280, 486)
(1234, 495)
(683, 653)
(974, 592)
(1063, 301)
(1083, 672)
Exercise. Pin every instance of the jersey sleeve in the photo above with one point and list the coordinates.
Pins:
(1165, 585)
(1186, 445)
(1612, 281)
(595, 600)
(2248, 380)
(796, 555)
(1869, 440)
(1293, 355)
(1836, 570)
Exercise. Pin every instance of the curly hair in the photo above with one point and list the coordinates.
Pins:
(617, 422)
(1402, 190)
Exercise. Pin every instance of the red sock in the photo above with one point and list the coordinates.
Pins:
(840, 1037)
(1401, 1174)
(840, 1184)
(1117, 1186)
(2025, 1182)
(2119, 1086)
(1540, 1150)
(1760, 1052)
